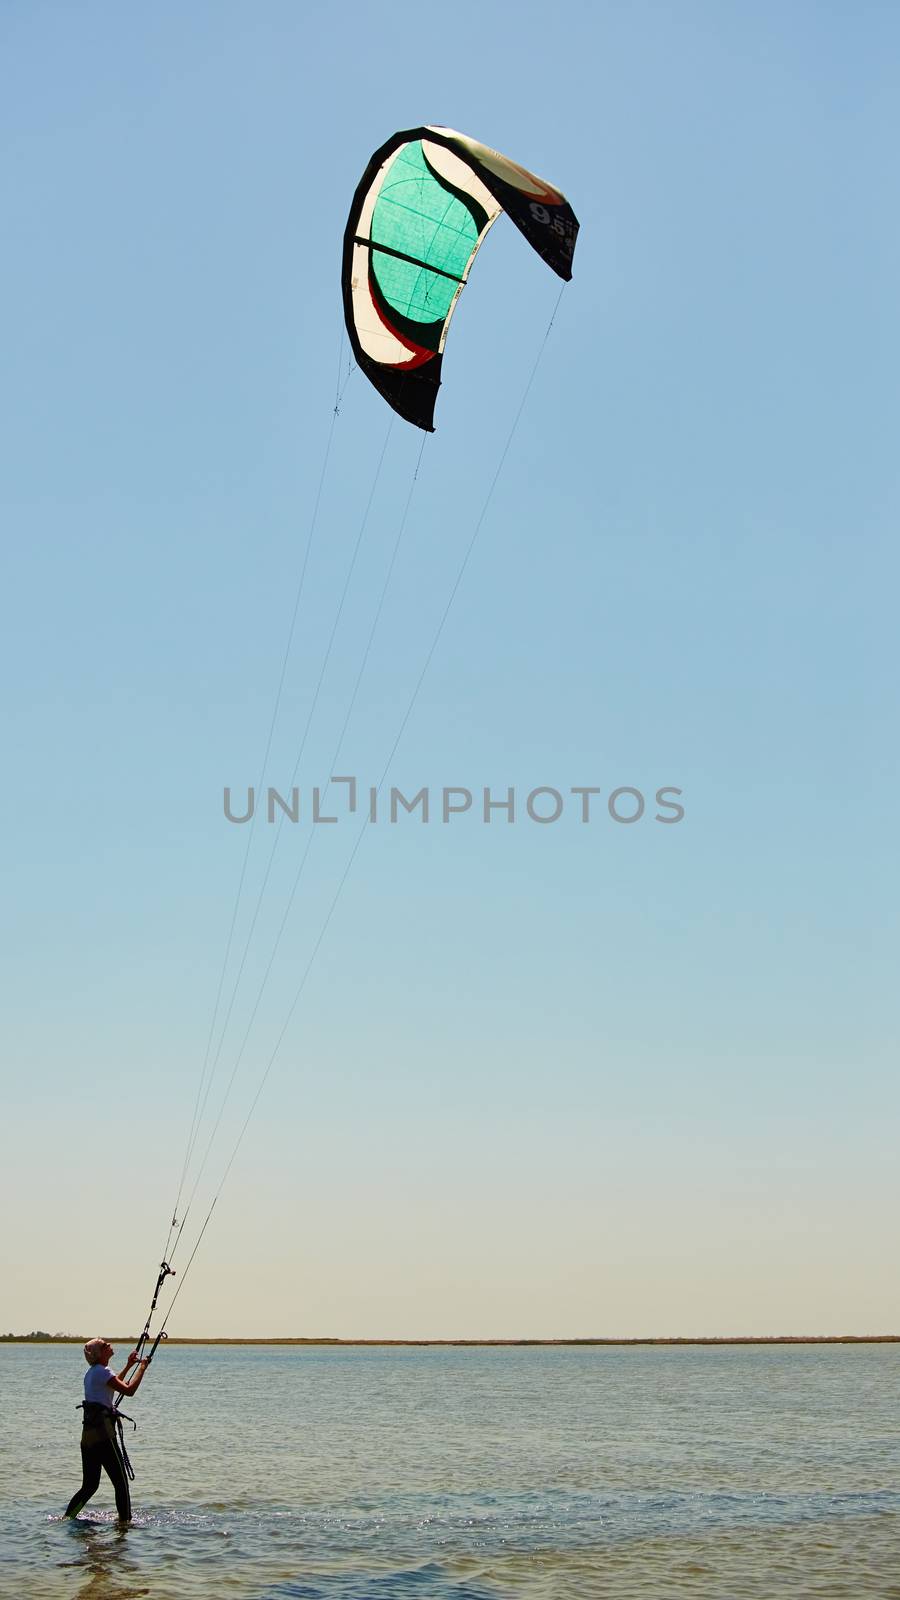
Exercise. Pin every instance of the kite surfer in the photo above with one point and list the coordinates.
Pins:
(101, 1435)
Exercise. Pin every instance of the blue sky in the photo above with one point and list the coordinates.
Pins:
(542, 1080)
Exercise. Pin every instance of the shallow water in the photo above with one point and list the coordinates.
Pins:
(341, 1474)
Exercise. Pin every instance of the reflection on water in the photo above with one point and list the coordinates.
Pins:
(102, 1565)
(280, 1474)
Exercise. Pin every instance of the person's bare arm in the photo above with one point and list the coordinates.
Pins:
(131, 1362)
(134, 1383)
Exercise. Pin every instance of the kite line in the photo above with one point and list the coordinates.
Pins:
(301, 584)
(445, 613)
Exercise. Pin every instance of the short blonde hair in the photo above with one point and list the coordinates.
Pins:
(93, 1351)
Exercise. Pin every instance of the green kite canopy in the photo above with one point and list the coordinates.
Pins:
(424, 204)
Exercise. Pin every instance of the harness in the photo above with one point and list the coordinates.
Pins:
(110, 1420)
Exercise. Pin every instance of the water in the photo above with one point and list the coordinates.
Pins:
(339, 1474)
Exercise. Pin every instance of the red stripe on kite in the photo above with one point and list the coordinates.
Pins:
(420, 354)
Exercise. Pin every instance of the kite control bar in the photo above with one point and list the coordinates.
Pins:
(165, 1271)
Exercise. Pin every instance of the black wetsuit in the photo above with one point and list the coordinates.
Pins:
(100, 1449)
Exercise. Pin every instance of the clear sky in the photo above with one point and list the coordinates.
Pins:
(543, 1080)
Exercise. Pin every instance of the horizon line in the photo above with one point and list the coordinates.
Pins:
(39, 1337)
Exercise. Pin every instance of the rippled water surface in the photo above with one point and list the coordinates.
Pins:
(340, 1474)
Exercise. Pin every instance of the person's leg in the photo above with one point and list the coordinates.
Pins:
(115, 1471)
(90, 1479)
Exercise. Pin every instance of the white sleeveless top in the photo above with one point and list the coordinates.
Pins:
(96, 1386)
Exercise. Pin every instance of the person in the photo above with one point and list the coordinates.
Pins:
(100, 1447)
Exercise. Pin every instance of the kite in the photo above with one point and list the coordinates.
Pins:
(422, 209)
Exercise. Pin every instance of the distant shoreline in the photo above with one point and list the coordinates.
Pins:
(484, 1344)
